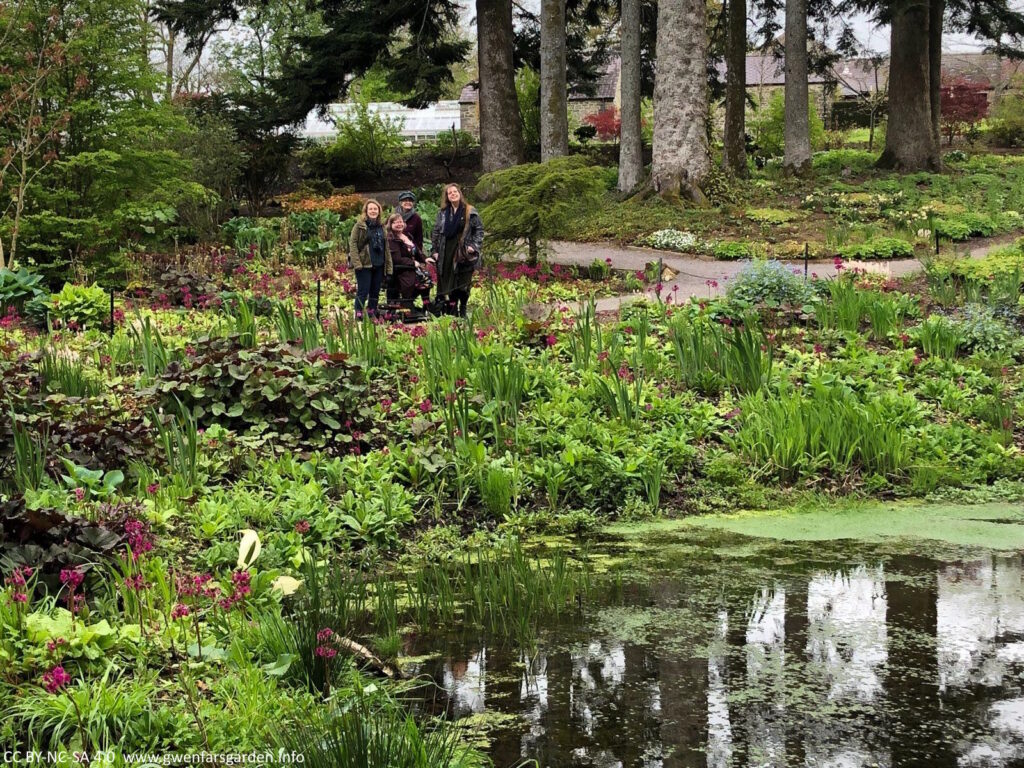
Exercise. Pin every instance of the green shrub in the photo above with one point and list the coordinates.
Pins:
(1006, 129)
(731, 251)
(961, 226)
(772, 215)
(528, 96)
(454, 139)
(275, 391)
(768, 126)
(767, 281)
(585, 133)
(367, 142)
(534, 201)
(879, 248)
(1002, 261)
(79, 306)
(835, 161)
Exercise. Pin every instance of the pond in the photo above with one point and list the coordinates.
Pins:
(705, 647)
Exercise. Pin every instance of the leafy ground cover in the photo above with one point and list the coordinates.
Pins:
(845, 209)
(223, 517)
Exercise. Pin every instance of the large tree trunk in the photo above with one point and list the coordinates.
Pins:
(501, 136)
(936, 10)
(735, 156)
(631, 159)
(681, 160)
(554, 115)
(910, 140)
(797, 160)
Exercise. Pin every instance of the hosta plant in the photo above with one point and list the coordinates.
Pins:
(79, 307)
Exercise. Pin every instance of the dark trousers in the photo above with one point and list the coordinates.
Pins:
(457, 301)
(368, 284)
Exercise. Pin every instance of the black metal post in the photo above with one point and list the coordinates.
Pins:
(318, 299)
(807, 256)
(111, 311)
(936, 241)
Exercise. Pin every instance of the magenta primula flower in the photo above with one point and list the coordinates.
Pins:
(56, 679)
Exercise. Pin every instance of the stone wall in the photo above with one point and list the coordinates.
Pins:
(469, 118)
(584, 108)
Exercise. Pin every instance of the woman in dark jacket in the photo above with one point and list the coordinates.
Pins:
(406, 258)
(457, 224)
(413, 223)
(369, 256)
(406, 208)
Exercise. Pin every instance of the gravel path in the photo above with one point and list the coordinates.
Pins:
(706, 277)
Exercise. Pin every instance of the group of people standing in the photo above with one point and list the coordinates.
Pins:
(390, 252)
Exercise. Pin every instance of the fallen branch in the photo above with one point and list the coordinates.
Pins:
(360, 650)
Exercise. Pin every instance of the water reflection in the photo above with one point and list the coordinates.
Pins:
(887, 662)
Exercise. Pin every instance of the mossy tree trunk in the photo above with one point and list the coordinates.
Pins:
(911, 142)
(797, 157)
(734, 157)
(681, 158)
(631, 158)
(554, 114)
(501, 136)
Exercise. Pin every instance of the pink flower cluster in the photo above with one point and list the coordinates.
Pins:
(56, 680)
(302, 527)
(10, 319)
(240, 587)
(325, 640)
(72, 578)
(135, 583)
(18, 581)
(521, 271)
(138, 537)
(198, 586)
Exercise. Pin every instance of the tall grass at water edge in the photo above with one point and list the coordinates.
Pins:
(825, 427)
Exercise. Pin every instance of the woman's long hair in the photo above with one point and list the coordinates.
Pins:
(463, 202)
(364, 218)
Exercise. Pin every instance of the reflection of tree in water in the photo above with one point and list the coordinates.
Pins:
(980, 651)
(864, 666)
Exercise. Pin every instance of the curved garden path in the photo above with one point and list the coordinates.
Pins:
(706, 277)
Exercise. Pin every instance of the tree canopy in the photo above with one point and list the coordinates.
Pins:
(415, 42)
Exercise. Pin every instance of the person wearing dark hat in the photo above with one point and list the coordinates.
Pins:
(413, 223)
(406, 208)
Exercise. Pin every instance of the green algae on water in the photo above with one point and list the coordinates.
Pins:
(996, 526)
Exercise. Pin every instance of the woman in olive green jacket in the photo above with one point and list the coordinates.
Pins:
(369, 256)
